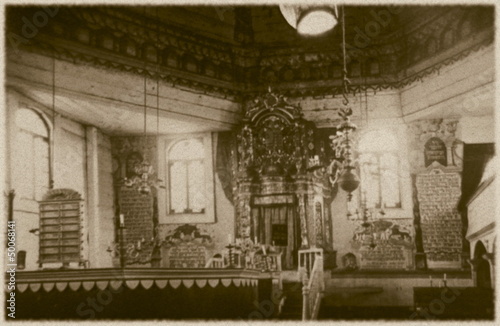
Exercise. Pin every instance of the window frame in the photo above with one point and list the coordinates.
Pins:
(165, 143)
(378, 155)
(405, 211)
(30, 204)
(186, 164)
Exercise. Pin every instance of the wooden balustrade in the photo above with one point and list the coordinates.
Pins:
(307, 258)
(311, 271)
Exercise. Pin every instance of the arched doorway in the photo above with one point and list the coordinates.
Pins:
(483, 274)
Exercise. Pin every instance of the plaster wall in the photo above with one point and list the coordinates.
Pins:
(72, 167)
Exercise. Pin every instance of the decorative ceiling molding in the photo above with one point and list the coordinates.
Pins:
(116, 38)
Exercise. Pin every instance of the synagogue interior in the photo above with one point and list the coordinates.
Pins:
(250, 162)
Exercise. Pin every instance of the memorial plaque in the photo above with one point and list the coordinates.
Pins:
(438, 194)
(435, 150)
(187, 256)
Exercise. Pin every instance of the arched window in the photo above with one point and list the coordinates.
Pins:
(379, 170)
(31, 158)
(186, 170)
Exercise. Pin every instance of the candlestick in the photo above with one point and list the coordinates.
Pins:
(230, 255)
(122, 220)
(229, 238)
(255, 240)
(122, 244)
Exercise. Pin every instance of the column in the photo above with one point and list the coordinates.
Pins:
(490, 258)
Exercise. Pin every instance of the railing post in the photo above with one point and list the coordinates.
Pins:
(311, 272)
(305, 302)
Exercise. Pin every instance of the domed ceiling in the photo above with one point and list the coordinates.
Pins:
(238, 51)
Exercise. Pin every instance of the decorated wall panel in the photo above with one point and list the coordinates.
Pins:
(139, 210)
(436, 164)
(438, 195)
(186, 246)
(385, 244)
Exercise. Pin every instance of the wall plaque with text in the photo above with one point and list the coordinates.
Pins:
(187, 256)
(435, 150)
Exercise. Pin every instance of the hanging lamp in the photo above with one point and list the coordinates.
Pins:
(315, 20)
(342, 168)
(144, 169)
(310, 19)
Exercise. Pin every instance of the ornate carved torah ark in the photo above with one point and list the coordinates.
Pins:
(280, 198)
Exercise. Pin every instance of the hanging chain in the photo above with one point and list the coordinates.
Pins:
(145, 139)
(345, 80)
(52, 138)
(145, 100)
(145, 104)
(157, 76)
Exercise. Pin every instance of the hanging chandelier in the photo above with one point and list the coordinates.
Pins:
(342, 168)
(369, 217)
(143, 169)
(366, 214)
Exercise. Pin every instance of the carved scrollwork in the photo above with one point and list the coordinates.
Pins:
(274, 139)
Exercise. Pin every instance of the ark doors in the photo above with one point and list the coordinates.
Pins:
(277, 225)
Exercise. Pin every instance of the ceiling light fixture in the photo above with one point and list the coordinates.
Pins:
(341, 168)
(144, 169)
(310, 20)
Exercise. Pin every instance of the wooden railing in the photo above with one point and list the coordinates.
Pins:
(311, 271)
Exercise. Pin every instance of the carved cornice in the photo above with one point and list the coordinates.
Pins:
(117, 38)
(270, 102)
(126, 25)
(176, 78)
(61, 195)
(423, 130)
